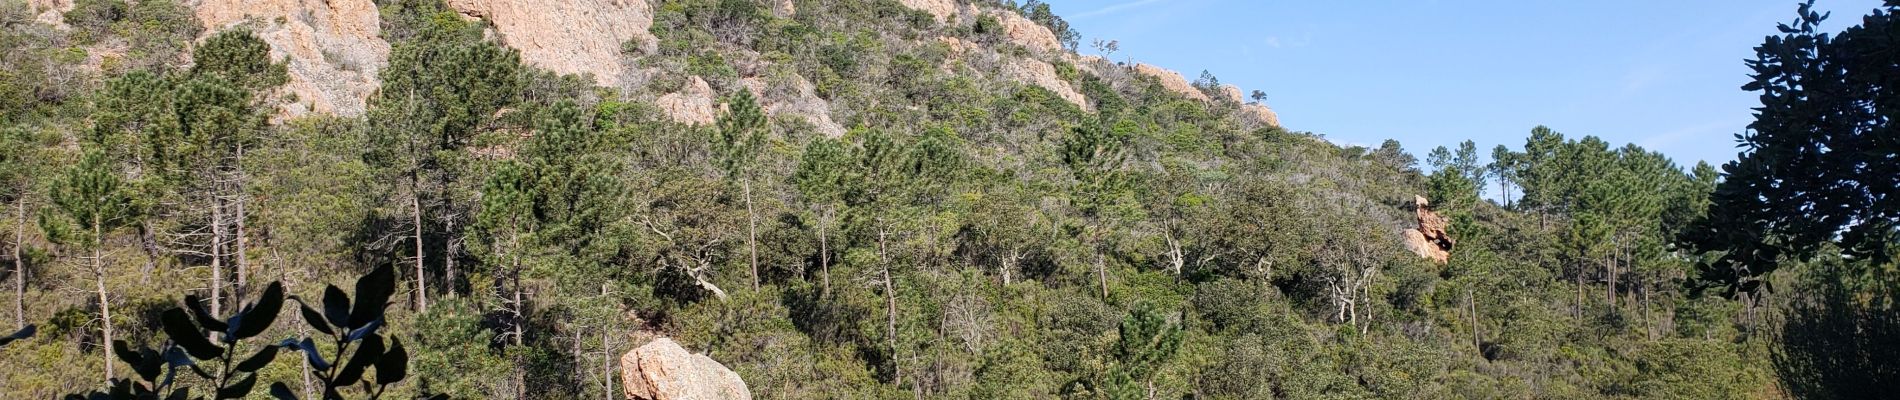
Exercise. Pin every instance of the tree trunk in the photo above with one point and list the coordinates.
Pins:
(1579, 307)
(243, 261)
(752, 233)
(1176, 260)
(1101, 273)
(217, 256)
(824, 256)
(1649, 328)
(607, 365)
(520, 310)
(19, 268)
(105, 304)
(1609, 272)
(450, 248)
(1477, 337)
(151, 252)
(304, 362)
(890, 311)
(415, 207)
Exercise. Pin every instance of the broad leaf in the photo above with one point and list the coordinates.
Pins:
(203, 315)
(282, 392)
(23, 333)
(372, 294)
(262, 314)
(258, 361)
(312, 317)
(239, 389)
(179, 327)
(394, 366)
(336, 306)
(366, 355)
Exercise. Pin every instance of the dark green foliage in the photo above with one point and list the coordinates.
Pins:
(353, 344)
(1817, 164)
(1146, 341)
(970, 236)
(240, 58)
(92, 201)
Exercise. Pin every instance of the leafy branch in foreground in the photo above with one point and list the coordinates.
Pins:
(208, 347)
(191, 345)
(351, 330)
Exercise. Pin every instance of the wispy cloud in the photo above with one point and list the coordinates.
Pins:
(1276, 41)
(1111, 9)
(1665, 139)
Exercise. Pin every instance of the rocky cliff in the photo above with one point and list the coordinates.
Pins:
(335, 48)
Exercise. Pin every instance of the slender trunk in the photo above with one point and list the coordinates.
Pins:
(304, 362)
(1101, 273)
(824, 257)
(1579, 307)
(1649, 327)
(1365, 287)
(1176, 260)
(1609, 272)
(1010, 265)
(1505, 192)
(151, 252)
(217, 256)
(520, 310)
(415, 217)
(19, 268)
(607, 363)
(105, 304)
(243, 261)
(579, 370)
(890, 311)
(752, 233)
(449, 256)
(1477, 337)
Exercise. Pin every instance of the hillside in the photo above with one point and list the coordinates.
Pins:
(831, 199)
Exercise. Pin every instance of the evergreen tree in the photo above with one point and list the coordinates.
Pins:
(92, 202)
(442, 87)
(740, 138)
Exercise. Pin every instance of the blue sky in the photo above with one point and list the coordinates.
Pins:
(1665, 75)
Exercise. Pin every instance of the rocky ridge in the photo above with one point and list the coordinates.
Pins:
(334, 50)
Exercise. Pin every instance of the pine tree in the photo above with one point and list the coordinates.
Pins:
(740, 138)
(92, 202)
(442, 87)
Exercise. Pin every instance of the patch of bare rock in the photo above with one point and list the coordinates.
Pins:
(662, 370)
(1430, 240)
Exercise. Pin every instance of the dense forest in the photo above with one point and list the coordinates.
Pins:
(968, 235)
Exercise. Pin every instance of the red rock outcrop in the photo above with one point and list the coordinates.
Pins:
(1431, 239)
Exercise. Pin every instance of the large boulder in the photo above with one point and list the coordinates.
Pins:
(694, 104)
(662, 370)
(1431, 239)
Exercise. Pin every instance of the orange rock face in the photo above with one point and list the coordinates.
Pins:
(1431, 239)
